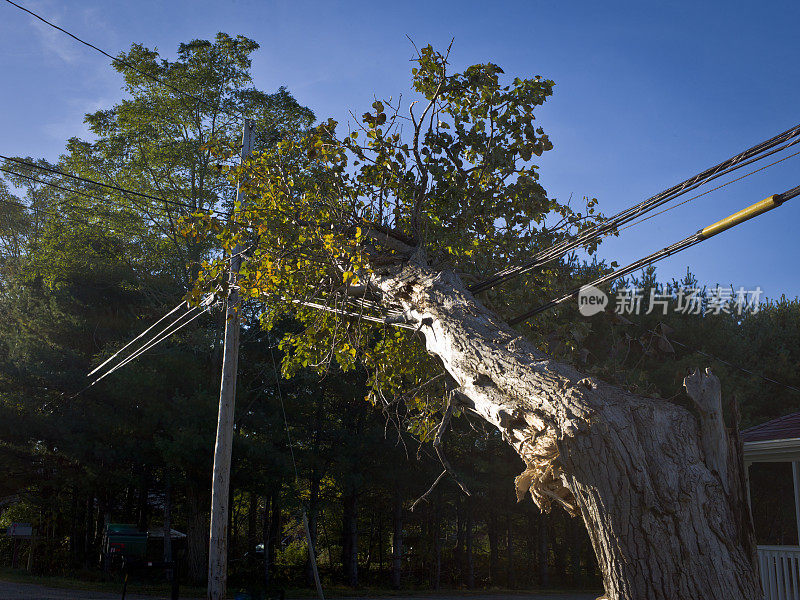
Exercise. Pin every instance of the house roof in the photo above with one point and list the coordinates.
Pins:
(782, 428)
(158, 534)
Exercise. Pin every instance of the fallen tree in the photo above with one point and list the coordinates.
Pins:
(660, 489)
(367, 246)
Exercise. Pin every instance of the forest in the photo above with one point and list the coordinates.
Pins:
(84, 269)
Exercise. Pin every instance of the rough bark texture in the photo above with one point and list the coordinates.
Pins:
(397, 541)
(350, 536)
(510, 575)
(494, 553)
(437, 541)
(313, 508)
(271, 533)
(196, 539)
(469, 575)
(658, 487)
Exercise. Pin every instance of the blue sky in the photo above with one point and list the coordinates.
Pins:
(647, 93)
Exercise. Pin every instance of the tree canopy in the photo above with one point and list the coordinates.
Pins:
(453, 179)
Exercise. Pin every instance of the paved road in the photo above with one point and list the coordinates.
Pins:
(553, 596)
(28, 591)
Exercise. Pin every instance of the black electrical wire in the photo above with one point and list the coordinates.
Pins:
(680, 246)
(121, 61)
(121, 190)
(789, 194)
(610, 225)
(634, 266)
(63, 203)
(738, 161)
(53, 214)
(108, 186)
(641, 220)
(719, 187)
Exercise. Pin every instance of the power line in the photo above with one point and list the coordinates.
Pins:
(283, 411)
(121, 61)
(684, 244)
(692, 240)
(643, 219)
(612, 224)
(65, 203)
(113, 356)
(347, 313)
(53, 214)
(719, 187)
(159, 337)
(107, 185)
(163, 333)
(168, 331)
(121, 190)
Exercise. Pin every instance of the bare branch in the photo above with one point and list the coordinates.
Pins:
(437, 444)
(430, 489)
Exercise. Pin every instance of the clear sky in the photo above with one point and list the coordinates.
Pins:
(647, 93)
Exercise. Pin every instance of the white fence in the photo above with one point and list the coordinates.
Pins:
(780, 572)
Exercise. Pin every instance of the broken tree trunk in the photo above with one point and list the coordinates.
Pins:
(659, 488)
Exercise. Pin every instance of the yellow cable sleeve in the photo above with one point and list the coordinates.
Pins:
(740, 217)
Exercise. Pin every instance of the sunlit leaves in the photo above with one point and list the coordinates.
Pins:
(451, 173)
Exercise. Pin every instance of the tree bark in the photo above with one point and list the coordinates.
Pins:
(168, 521)
(266, 539)
(397, 540)
(144, 507)
(544, 550)
(437, 542)
(510, 575)
(659, 488)
(272, 531)
(458, 550)
(494, 553)
(350, 536)
(252, 522)
(575, 546)
(469, 576)
(313, 509)
(196, 539)
(87, 529)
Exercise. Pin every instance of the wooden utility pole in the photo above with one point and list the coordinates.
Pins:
(220, 486)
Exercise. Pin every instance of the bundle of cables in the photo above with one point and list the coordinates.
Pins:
(627, 217)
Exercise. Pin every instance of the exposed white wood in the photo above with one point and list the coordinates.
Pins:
(220, 485)
(706, 393)
(665, 511)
